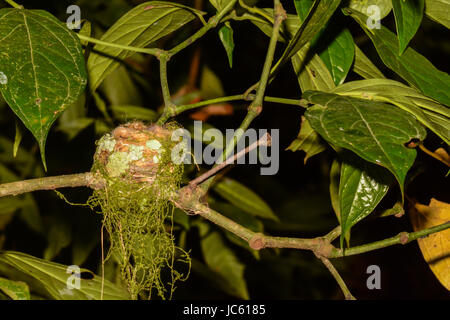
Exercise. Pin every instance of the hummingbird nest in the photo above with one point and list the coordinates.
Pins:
(135, 161)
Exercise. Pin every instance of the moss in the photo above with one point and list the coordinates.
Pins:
(135, 160)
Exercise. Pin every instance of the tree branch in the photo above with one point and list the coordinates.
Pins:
(255, 107)
(337, 276)
(50, 183)
(401, 238)
(187, 199)
(263, 141)
(212, 23)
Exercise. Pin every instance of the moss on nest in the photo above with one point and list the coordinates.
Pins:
(135, 162)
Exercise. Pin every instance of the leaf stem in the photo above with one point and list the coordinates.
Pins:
(333, 234)
(169, 106)
(434, 155)
(401, 238)
(255, 108)
(50, 183)
(14, 4)
(182, 108)
(151, 51)
(212, 23)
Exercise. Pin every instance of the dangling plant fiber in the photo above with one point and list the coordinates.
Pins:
(140, 178)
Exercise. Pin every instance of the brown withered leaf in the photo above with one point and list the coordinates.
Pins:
(435, 247)
(204, 113)
(443, 154)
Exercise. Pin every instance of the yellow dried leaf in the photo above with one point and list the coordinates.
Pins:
(435, 247)
(443, 154)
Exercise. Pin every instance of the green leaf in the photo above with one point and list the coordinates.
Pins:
(320, 13)
(372, 88)
(245, 220)
(17, 139)
(244, 198)
(302, 7)
(308, 141)
(374, 130)
(440, 125)
(86, 30)
(126, 113)
(408, 16)
(338, 55)
(265, 24)
(335, 172)
(9, 205)
(73, 127)
(439, 11)
(210, 84)
(29, 212)
(42, 68)
(82, 246)
(59, 236)
(222, 260)
(139, 27)
(411, 66)
(74, 119)
(218, 4)
(51, 279)
(226, 36)
(402, 96)
(16, 290)
(385, 6)
(119, 88)
(361, 188)
(180, 217)
(338, 51)
(314, 75)
(364, 67)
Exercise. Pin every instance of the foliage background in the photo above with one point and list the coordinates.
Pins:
(298, 194)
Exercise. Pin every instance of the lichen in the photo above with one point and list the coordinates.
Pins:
(135, 161)
(117, 164)
(106, 143)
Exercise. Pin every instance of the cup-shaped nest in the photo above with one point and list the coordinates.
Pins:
(135, 150)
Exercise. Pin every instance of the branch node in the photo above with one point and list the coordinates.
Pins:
(188, 198)
(255, 109)
(404, 237)
(95, 181)
(280, 13)
(257, 242)
(324, 248)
